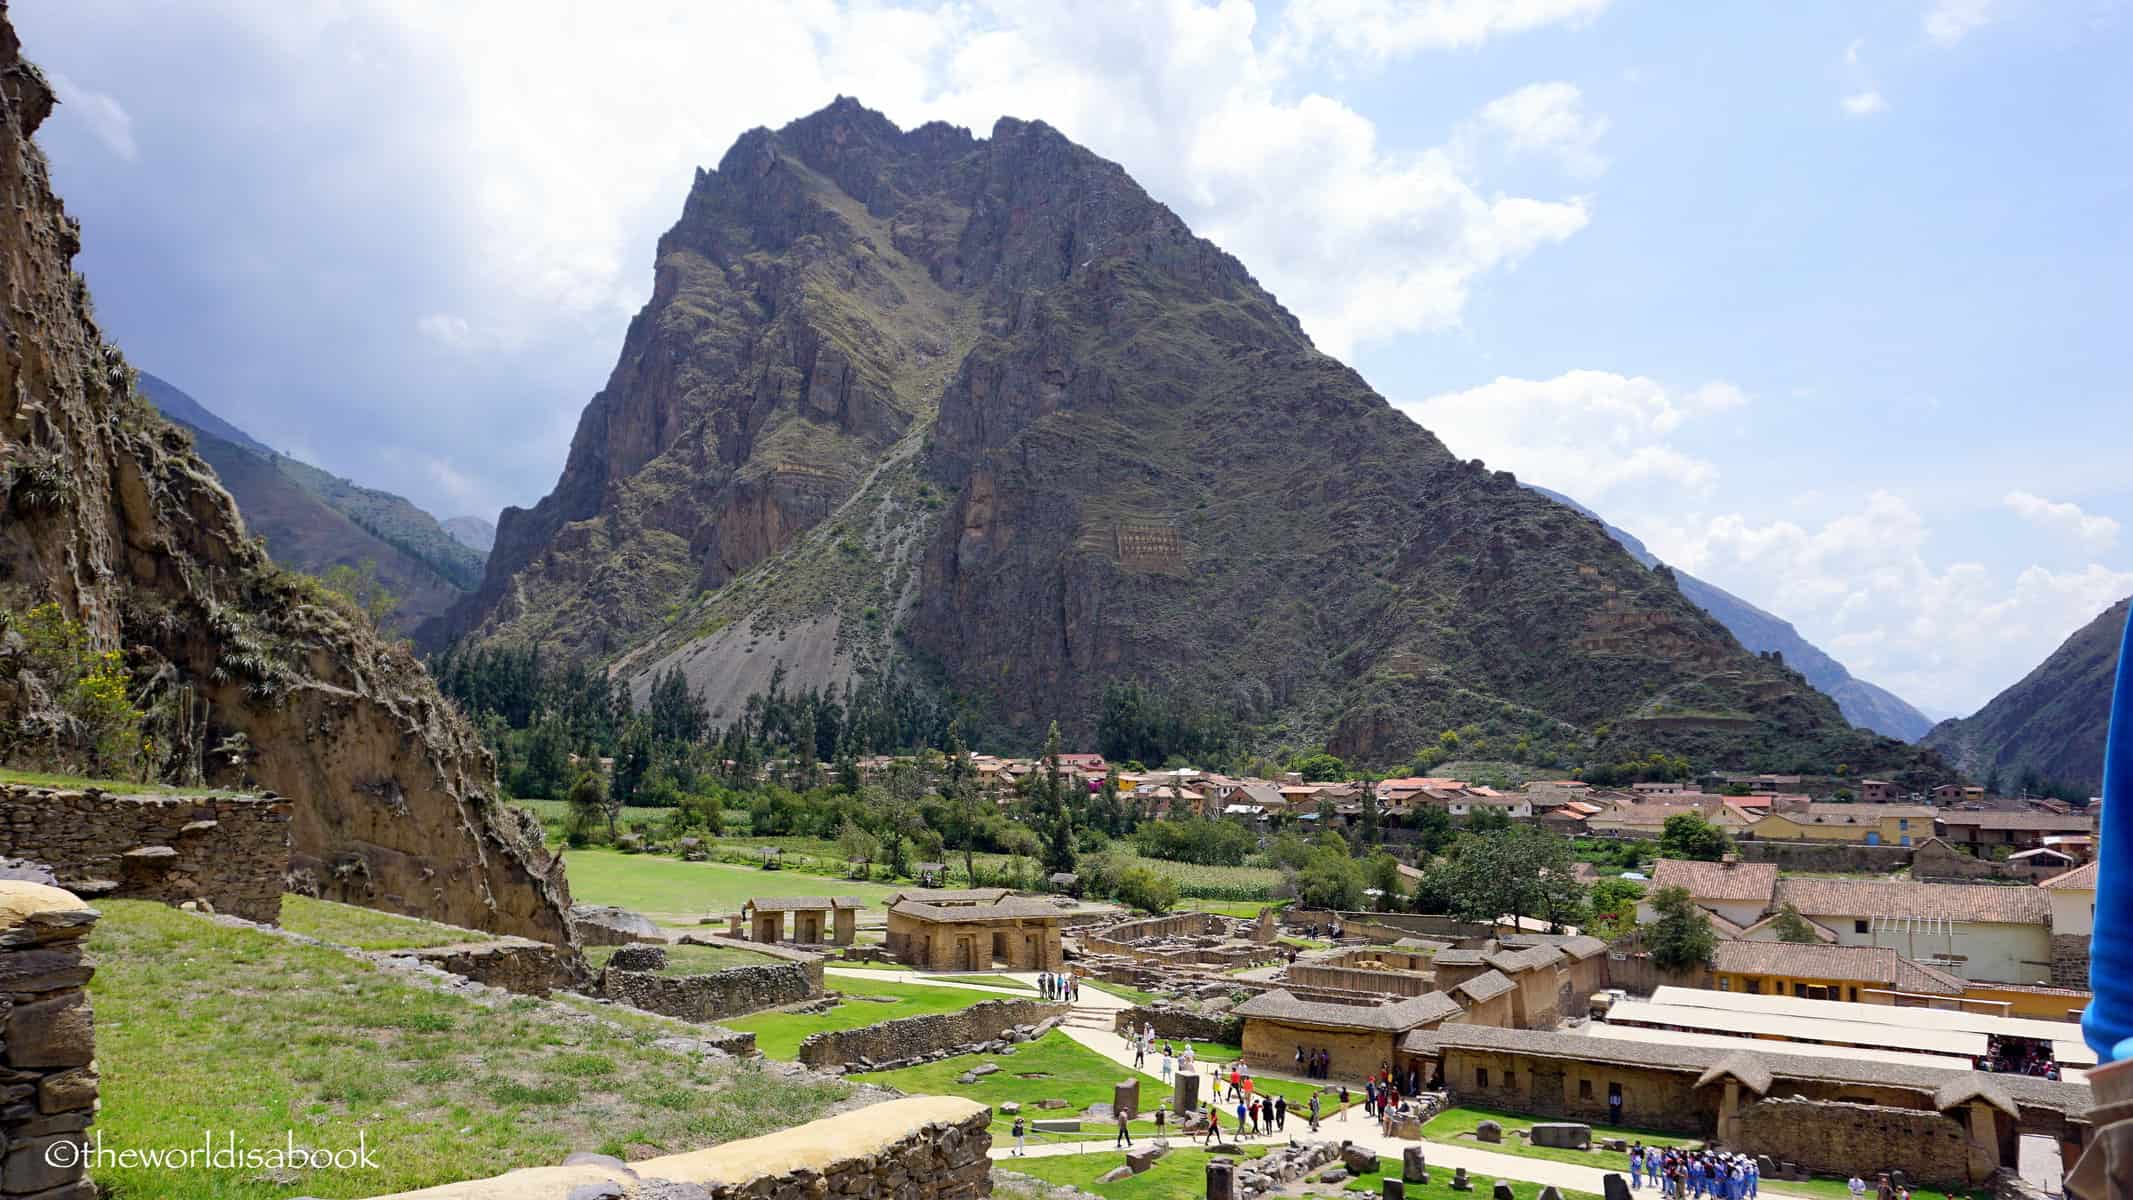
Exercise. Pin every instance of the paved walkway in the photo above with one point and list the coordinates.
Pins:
(1090, 1024)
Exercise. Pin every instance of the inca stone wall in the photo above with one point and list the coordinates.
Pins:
(910, 1038)
(519, 965)
(1173, 1022)
(732, 992)
(1834, 1136)
(2070, 960)
(1357, 979)
(917, 1148)
(49, 1082)
(232, 852)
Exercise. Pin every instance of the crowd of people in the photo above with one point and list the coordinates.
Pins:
(1682, 1174)
(1059, 985)
(2018, 1056)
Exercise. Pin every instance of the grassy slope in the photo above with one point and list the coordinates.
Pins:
(367, 928)
(206, 1027)
(673, 891)
(779, 1034)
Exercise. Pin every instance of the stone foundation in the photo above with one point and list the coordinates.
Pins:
(915, 1039)
(513, 964)
(232, 852)
(733, 992)
(50, 1075)
(1180, 1023)
(1839, 1137)
(920, 1148)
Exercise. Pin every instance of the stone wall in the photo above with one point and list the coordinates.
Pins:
(514, 964)
(1180, 1024)
(810, 963)
(1665, 1101)
(1942, 862)
(909, 1039)
(1270, 1045)
(1852, 857)
(2070, 960)
(732, 992)
(50, 1092)
(1837, 1137)
(917, 1148)
(231, 851)
(1356, 979)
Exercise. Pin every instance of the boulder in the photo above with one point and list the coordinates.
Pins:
(637, 956)
(984, 1069)
(966, 1077)
(1336, 1175)
(1413, 1167)
(1563, 1135)
(1051, 1103)
(1488, 1131)
(1503, 1192)
(1115, 1174)
(1394, 1189)
(1009, 1108)
(606, 925)
(1618, 1145)
(1142, 1159)
(1615, 1187)
(1358, 1160)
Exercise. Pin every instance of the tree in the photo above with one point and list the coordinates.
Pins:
(1682, 937)
(546, 771)
(1059, 825)
(589, 803)
(1790, 926)
(1331, 878)
(359, 586)
(1145, 890)
(1384, 874)
(966, 809)
(1488, 820)
(1613, 903)
(1523, 871)
(1366, 826)
(1320, 765)
(1687, 835)
(858, 847)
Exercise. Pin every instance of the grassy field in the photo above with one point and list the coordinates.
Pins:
(1439, 1186)
(1071, 1072)
(1182, 1175)
(998, 981)
(1449, 1126)
(689, 960)
(124, 786)
(674, 892)
(778, 1035)
(367, 928)
(204, 1027)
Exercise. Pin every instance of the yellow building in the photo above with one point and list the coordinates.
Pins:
(1864, 824)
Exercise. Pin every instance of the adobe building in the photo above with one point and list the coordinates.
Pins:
(765, 918)
(1020, 934)
(1948, 1127)
(1361, 1038)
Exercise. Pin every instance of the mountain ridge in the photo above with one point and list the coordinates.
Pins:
(1863, 704)
(983, 411)
(2048, 728)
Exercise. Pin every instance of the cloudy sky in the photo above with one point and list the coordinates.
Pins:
(1825, 301)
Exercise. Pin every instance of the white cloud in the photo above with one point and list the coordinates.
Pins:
(1949, 21)
(1586, 433)
(1549, 119)
(104, 115)
(1373, 31)
(1864, 104)
(1861, 586)
(2095, 532)
(448, 329)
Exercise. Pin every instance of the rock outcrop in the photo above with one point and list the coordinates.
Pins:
(110, 514)
(982, 407)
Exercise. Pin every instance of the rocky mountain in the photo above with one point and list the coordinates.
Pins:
(1862, 703)
(475, 533)
(981, 411)
(314, 520)
(2049, 728)
(112, 516)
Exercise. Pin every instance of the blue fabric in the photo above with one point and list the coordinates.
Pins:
(2107, 1026)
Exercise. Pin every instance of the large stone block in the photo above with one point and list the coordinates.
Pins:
(1126, 1098)
(67, 1090)
(28, 1168)
(1185, 1093)
(1562, 1135)
(1221, 1179)
(1414, 1168)
(1488, 1131)
(1615, 1187)
(1394, 1189)
(57, 1032)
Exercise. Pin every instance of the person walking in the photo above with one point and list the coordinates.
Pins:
(1243, 1111)
(1214, 1125)
(1166, 1064)
(1636, 1166)
(1140, 1054)
(1125, 1135)
(1021, 1132)
(1314, 1112)
(1281, 1113)
(1856, 1185)
(1344, 1102)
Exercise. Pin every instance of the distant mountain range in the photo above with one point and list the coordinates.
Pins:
(2047, 731)
(314, 520)
(475, 533)
(1862, 703)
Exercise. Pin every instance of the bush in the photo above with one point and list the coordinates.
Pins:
(1145, 890)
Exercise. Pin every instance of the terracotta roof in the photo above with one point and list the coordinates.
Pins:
(1852, 964)
(1013, 908)
(1990, 819)
(1486, 986)
(1738, 882)
(1822, 932)
(1984, 904)
(803, 903)
(1388, 1018)
(2064, 1097)
(2080, 879)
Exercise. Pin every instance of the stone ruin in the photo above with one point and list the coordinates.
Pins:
(49, 1037)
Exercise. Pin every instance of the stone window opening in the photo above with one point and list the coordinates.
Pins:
(1584, 1089)
(1481, 1077)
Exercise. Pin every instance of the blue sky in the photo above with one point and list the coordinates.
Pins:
(1825, 301)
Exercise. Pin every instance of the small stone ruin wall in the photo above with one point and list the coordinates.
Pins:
(1356, 979)
(1840, 1137)
(514, 964)
(1177, 1024)
(910, 1039)
(232, 852)
(50, 1083)
(917, 1148)
(732, 992)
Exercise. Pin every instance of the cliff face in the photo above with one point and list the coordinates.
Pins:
(2050, 727)
(111, 514)
(983, 408)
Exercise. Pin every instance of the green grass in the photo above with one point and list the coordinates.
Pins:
(690, 960)
(998, 981)
(367, 928)
(1439, 1186)
(1123, 992)
(1074, 1073)
(675, 892)
(1836, 1189)
(1448, 1125)
(1182, 1175)
(778, 1034)
(124, 786)
(201, 1026)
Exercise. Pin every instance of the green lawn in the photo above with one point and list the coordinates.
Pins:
(1182, 1175)
(997, 981)
(123, 786)
(1449, 1125)
(1072, 1072)
(367, 928)
(1439, 1186)
(1123, 992)
(778, 1035)
(690, 960)
(1836, 1189)
(201, 1026)
(674, 892)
